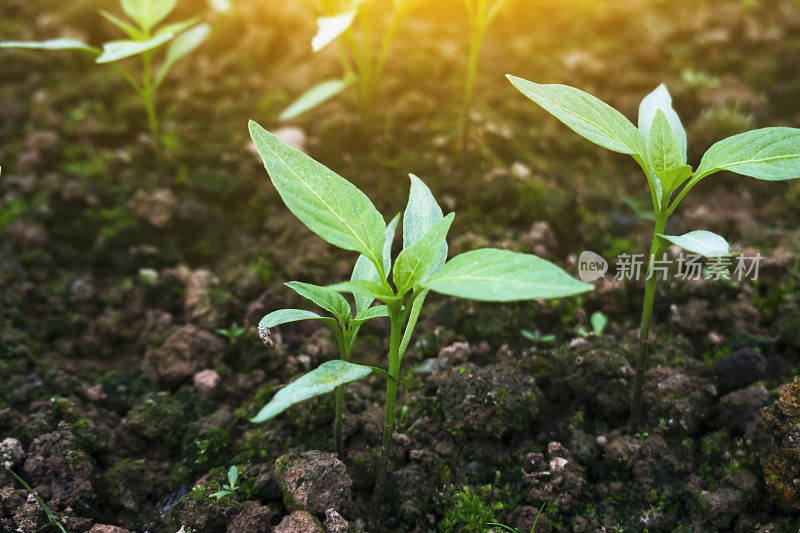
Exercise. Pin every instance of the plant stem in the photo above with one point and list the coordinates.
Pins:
(338, 442)
(477, 32)
(396, 318)
(149, 97)
(647, 311)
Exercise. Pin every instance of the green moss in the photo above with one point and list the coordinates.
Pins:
(158, 417)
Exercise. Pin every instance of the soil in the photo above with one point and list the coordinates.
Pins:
(126, 393)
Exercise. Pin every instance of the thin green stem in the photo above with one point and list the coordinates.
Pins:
(644, 331)
(148, 94)
(477, 31)
(344, 354)
(396, 320)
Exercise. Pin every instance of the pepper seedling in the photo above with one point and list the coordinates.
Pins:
(480, 13)
(342, 215)
(230, 488)
(144, 38)
(363, 63)
(345, 327)
(658, 145)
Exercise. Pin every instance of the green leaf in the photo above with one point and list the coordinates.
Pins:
(599, 322)
(314, 97)
(416, 308)
(329, 205)
(700, 242)
(368, 288)
(672, 179)
(494, 275)
(233, 476)
(421, 214)
(663, 149)
(116, 50)
(178, 27)
(129, 29)
(323, 379)
(365, 270)
(182, 45)
(766, 154)
(660, 100)
(378, 311)
(585, 114)
(148, 13)
(415, 262)
(329, 28)
(326, 298)
(52, 44)
(284, 316)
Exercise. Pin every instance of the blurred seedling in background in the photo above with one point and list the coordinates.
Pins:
(350, 24)
(599, 322)
(659, 147)
(230, 488)
(145, 38)
(480, 13)
(232, 333)
(342, 215)
(52, 521)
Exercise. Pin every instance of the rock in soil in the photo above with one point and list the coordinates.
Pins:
(299, 522)
(313, 481)
(102, 528)
(490, 401)
(11, 453)
(782, 468)
(186, 352)
(739, 369)
(254, 518)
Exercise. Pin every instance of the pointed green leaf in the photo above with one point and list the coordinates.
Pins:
(672, 179)
(182, 45)
(284, 316)
(116, 50)
(129, 29)
(178, 27)
(661, 100)
(663, 149)
(368, 288)
(416, 308)
(329, 205)
(700, 242)
(588, 116)
(323, 379)
(326, 298)
(365, 270)
(52, 44)
(422, 213)
(329, 28)
(314, 97)
(415, 262)
(766, 154)
(599, 322)
(494, 275)
(378, 311)
(148, 13)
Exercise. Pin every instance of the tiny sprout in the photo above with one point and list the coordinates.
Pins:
(52, 521)
(658, 145)
(232, 333)
(342, 215)
(144, 37)
(230, 488)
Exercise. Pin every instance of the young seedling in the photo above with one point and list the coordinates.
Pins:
(342, 215)
(362, 60)
(481, 13)
(345, 326)
(231, 487)
(659, 147)
(145, 37)
(52, 521)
